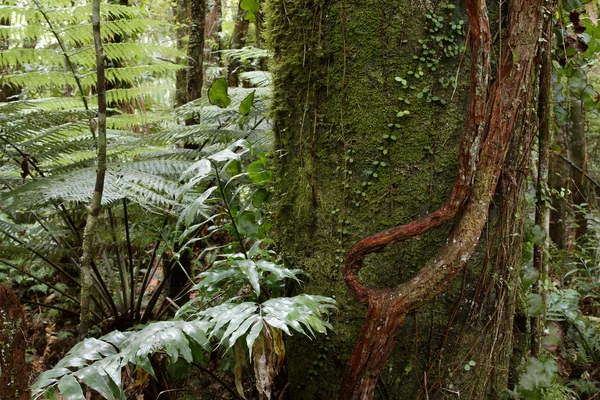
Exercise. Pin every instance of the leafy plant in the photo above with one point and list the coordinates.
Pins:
(251, 316)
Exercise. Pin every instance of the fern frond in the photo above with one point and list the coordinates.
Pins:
(141, 72)
(246, 53)
(258, 78)
(131, 121)
(121, 52)
(127, 95)
(37, 80)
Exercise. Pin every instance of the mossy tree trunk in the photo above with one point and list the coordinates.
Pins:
(369, 130)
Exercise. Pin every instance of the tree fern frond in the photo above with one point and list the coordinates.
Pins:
(195, 134)
(257, 78)
(140, 72)
(131, 121)
(246, 53)
(37, 80)
(18, 55)
(127, 95)
(82, 33)
(129, 51)
(165, 168)
(44, 104)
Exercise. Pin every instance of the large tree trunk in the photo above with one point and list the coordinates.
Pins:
(350, 167)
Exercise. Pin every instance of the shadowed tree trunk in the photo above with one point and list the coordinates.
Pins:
(7, 92)
(366, 144)
(195, 77)
(558, 181)
(180, 270)
(14, 377)
(182, 19)
(578, 155)
(238, 40)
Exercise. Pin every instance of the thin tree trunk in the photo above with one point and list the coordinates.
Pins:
(578, 155)
(182, 18)
(542, 212)
(196, 49)
(238, 40)
(96, 202)
(180, 270)
(14, 377)
(559, 182)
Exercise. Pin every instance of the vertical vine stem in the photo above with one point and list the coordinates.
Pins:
(96, 202)
(497, 108)
(228, 208)
(542, 212)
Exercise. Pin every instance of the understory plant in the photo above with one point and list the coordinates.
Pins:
(239, 307)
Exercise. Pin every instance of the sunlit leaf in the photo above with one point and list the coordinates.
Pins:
(246, 104)
(217, 93)
(251, 6)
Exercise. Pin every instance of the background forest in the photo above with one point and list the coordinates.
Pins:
(182, 184)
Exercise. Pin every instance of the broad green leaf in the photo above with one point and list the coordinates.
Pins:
(70, 388)
(234, 167)
(247, 103)
(251, 338)
(561, 115)
(577, 81)
(248, 268)
(246, 223)
(96, 378)
(529, 275)
(538, 233)
(535, 305)
(251, 6)
(570, 5)
(538, 374)
(589, 98)
(554, 338)
(258, 171)
(260, 197)
(243, 328)
(217, 93)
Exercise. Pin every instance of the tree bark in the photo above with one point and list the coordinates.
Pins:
(195, 75)
(578, 155)
(14, 377)
(238, 40)
(89, 233)
(337, 66)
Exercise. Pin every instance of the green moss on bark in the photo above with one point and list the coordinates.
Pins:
(335, 94)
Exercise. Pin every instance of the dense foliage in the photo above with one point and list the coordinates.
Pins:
(185, 263)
